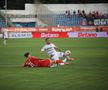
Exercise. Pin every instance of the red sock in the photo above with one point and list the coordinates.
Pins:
(58, 61)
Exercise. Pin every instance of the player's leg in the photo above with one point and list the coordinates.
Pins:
(60, 62)
(44, 63)
(5, 41)
(5, 37)
(55, 56)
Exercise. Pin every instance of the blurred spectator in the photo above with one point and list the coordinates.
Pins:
(68, 13)
(74, 12)
(79, 13)
(84, 22)
(97, 14)
(83, 14)
(99, 29)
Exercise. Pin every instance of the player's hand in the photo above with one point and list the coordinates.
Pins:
(71, 59)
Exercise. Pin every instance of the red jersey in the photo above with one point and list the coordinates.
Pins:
(31, 62)
(36, 62)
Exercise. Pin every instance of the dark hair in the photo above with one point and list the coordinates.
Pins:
(46, 39)
(26, 54)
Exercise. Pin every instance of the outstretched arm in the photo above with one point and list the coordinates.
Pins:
(70, 59)
(57, 48)
(41, 52)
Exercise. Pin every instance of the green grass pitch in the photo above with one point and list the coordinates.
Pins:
(88, 72)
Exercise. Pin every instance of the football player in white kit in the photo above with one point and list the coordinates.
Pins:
(5, 35)
(50, 49)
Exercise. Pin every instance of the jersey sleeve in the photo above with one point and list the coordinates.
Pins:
(53, 45)
(43, 48)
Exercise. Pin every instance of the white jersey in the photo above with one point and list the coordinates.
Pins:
(49, 48)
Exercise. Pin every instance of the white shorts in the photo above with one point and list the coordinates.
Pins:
(57, 55)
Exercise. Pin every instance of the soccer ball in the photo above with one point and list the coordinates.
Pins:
(68, 52)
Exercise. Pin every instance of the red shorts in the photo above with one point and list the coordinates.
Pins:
(44, 63)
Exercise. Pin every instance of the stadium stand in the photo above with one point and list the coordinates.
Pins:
(43, 15)
(2, 23)
(3, 20)
(81, 18)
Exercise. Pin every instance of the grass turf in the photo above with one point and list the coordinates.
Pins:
(88, 72)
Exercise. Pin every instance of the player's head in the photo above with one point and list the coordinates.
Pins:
(26, 54)
(47, 40)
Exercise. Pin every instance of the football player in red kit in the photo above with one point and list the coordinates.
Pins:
(33, 61)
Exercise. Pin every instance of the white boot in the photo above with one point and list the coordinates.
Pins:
(54, 65)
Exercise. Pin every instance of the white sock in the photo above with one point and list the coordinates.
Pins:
(65, 60)
(61, 63)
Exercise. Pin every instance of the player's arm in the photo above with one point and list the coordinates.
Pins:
(57, 48)
(69, 58)
(42, 50)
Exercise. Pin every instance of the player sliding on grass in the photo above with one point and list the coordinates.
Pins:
(50, 49)
(32, 61)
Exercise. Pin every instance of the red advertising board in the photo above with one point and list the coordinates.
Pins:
(50, 35)
(56, 29)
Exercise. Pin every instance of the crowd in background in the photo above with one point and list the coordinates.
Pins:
(83, 18)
